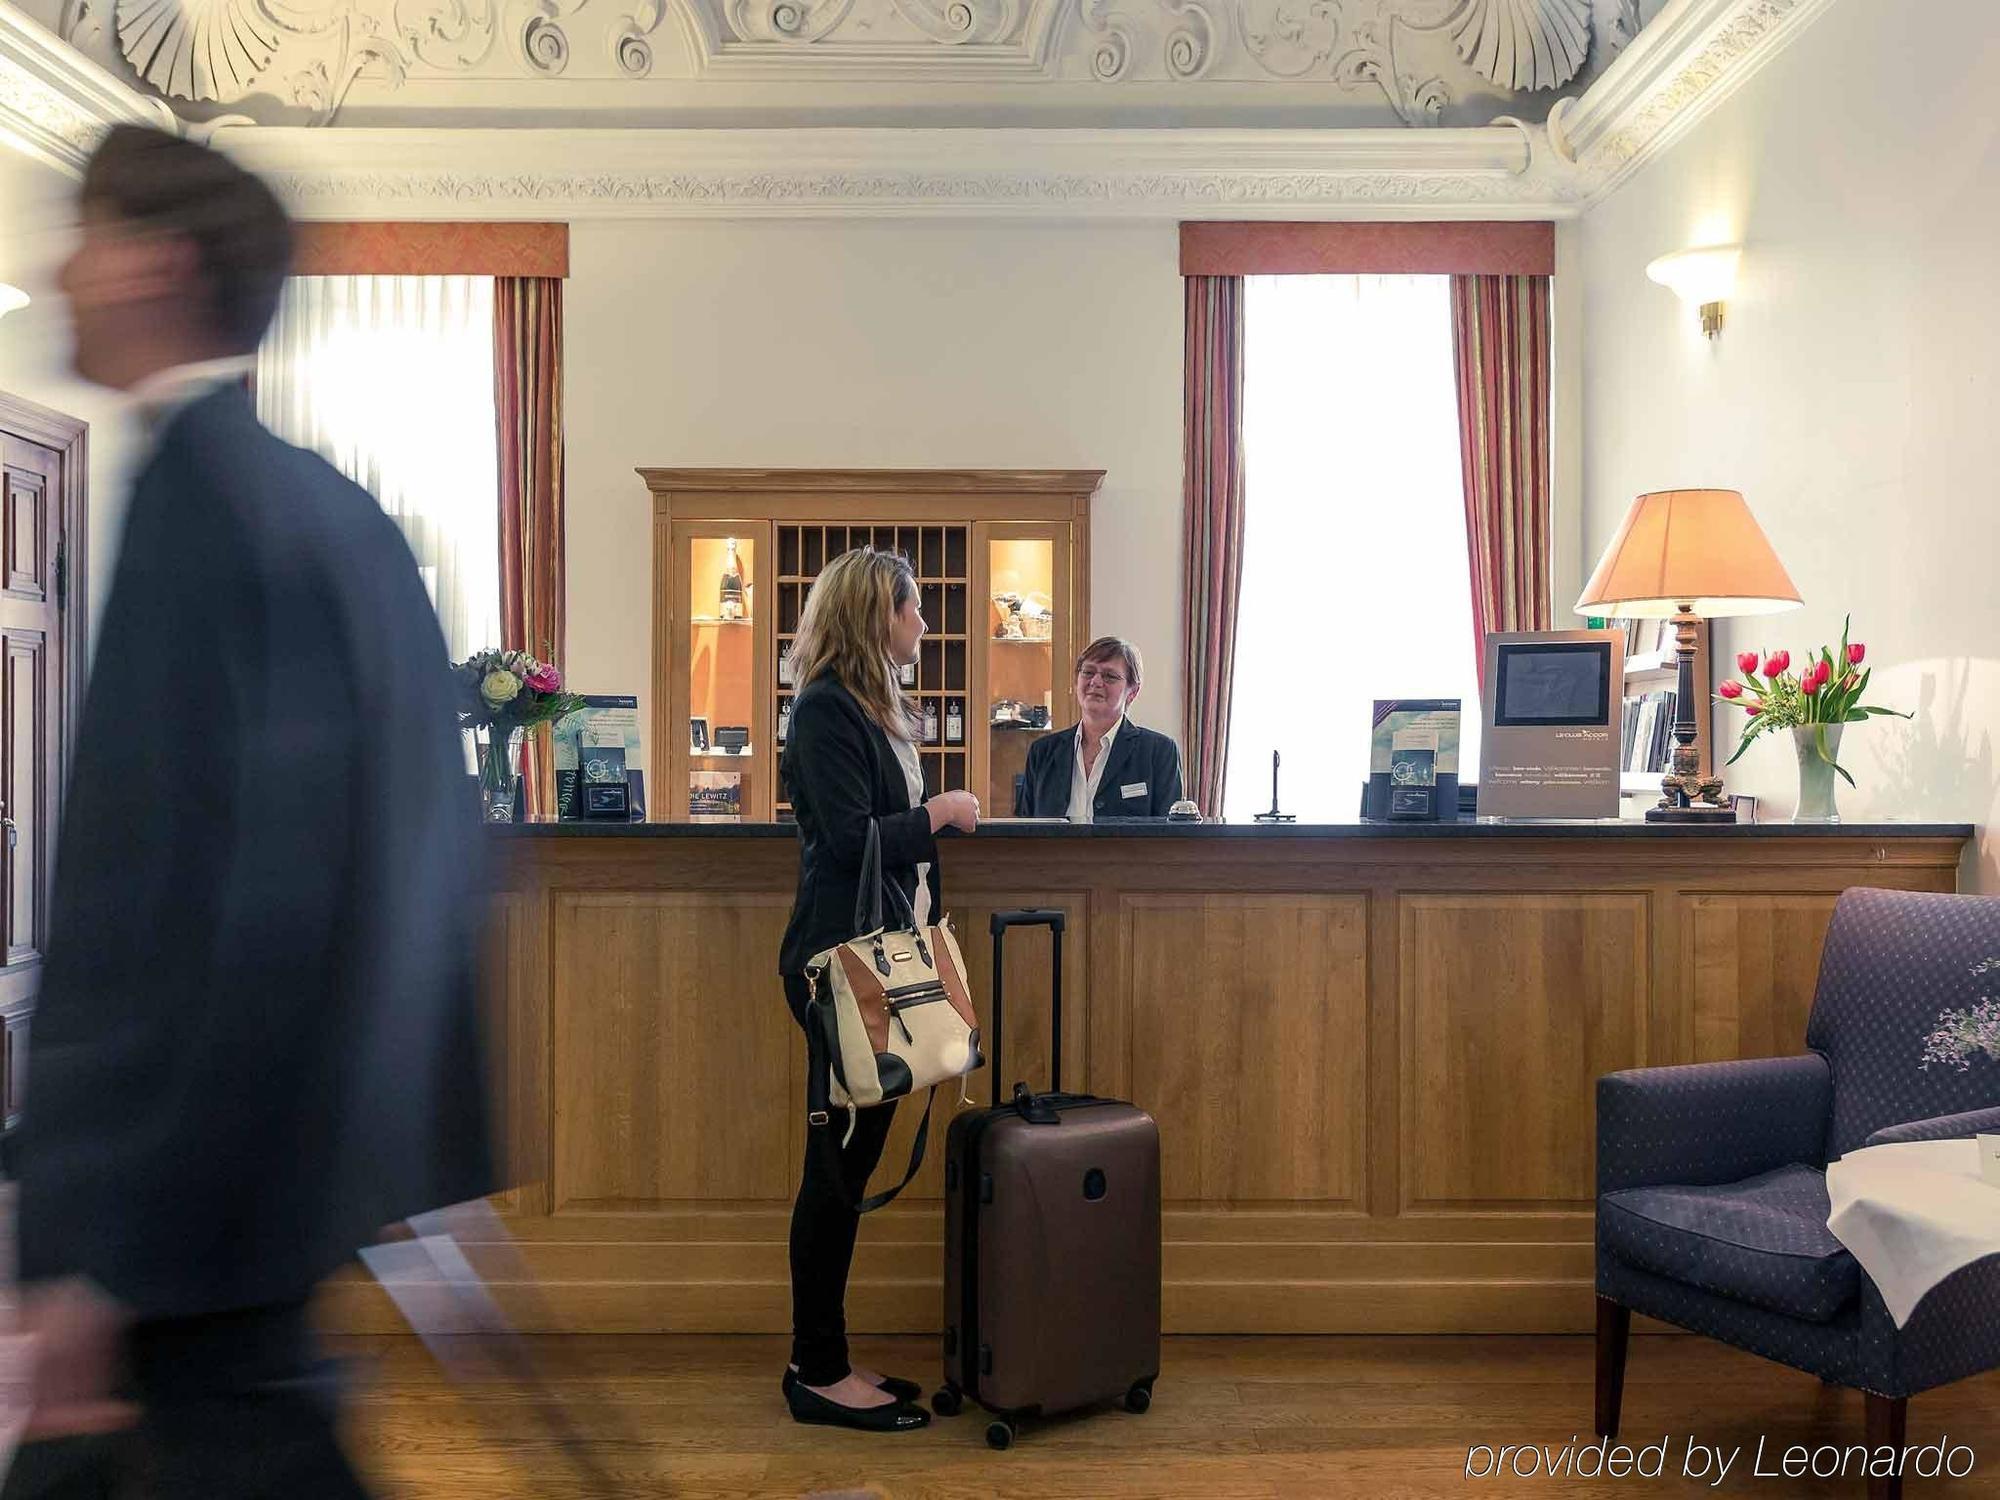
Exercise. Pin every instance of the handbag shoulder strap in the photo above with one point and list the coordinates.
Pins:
(872, 883)
(819, 1119)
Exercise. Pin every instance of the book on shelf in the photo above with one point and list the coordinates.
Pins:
(715, 796)
(1648, 731)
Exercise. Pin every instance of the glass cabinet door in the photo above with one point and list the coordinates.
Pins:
(725, 754)
(1027, 662)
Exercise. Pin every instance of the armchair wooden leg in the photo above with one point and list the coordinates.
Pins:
(1888, 1422)
(1614, 1327)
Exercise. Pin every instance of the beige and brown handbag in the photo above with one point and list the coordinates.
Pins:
(889, 1013)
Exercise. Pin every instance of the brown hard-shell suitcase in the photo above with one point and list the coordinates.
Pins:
(1052, 1241)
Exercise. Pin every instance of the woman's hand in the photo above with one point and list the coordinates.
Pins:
(953, 810)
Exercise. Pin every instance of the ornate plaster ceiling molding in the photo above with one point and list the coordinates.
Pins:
(1117, 174)
(54, 102)
(1680, 69)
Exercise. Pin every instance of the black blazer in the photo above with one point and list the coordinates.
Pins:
(840, 774)
(1139, 758)
(257, 1040)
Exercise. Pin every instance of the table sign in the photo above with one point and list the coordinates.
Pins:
(1549, 741)
(1413, 760)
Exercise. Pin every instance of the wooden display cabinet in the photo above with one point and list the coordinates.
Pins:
(1002, 565)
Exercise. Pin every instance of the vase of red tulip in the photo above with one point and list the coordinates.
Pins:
(1815, 704)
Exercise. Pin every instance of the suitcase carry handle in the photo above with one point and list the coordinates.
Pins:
(1055, 922)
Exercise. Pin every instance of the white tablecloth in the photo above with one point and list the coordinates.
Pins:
(1912, 1214)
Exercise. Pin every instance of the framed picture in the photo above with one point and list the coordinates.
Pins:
(698, 736)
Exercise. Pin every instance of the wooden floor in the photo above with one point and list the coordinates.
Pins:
(1323, 1418)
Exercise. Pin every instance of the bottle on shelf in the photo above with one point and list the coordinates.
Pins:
(784, 666)
(732, 585)
(954, 723)
(930, 723)
(784, 719)
(908, 674)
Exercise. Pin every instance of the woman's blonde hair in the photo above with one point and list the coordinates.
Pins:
(844, 629)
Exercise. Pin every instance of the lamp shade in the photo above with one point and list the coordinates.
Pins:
(1696, 548)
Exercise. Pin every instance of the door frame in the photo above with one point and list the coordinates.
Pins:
(70, 437)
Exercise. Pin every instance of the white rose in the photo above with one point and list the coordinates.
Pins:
(499, 688)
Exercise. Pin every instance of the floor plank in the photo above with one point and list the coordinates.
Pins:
(1232, 1418)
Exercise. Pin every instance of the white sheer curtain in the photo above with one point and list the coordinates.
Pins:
(1355, 578)
(390, 378)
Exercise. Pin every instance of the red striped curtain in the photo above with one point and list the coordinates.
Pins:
(1500, 339)
(1212, 508)
(527, 369)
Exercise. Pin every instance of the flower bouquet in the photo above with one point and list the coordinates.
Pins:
(503, 693)
(1813, 704)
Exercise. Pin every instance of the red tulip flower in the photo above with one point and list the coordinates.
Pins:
(1811, 686)
(1855, 653)
(1753, 709)
(1776, 662)
(1731, 689)
(1746, 663)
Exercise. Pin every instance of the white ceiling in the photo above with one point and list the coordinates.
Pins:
(1209, 64)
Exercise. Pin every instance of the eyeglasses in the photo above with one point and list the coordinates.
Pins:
(1109, 679)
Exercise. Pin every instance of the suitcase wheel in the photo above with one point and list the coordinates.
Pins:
(1000, 1435)
(948, 1401)
(1139, 1397)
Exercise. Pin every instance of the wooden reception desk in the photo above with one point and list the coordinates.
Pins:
(1371, 1050)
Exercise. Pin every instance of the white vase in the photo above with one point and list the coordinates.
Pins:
(1816, 772)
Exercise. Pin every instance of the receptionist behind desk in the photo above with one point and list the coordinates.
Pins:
(1107, 766)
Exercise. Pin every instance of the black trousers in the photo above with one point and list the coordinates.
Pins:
(823, 1228)
(234, 1406)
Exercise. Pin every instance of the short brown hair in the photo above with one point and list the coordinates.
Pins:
(241, 234)
(1108, 648)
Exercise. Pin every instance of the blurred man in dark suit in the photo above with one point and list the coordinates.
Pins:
(257, 1041)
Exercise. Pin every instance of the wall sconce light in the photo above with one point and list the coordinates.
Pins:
(12, 299)
(1703, 277)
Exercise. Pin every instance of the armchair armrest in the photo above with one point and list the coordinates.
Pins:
(1706, 1123)
(1938, 1128)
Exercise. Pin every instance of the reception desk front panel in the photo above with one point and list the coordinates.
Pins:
(1372, 1051)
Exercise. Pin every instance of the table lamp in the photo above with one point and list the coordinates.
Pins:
(1685, 556)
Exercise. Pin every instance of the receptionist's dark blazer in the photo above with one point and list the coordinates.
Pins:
(1143, 779)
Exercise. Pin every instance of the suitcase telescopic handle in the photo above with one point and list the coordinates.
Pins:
(1030, 917)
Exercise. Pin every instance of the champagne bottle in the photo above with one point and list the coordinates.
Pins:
(954, 723)
(732, 585)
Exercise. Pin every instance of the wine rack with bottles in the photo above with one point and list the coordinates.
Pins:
(1002, 565)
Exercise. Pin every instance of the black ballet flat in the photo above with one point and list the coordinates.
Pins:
(894, 1385)
(894, 1416)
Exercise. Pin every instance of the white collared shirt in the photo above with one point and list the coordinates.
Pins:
(913, 778)
(162, 394)
(1083, 784)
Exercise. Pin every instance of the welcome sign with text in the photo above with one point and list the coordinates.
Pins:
(1550, 743)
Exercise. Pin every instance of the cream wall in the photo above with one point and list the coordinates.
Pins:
(1854, 393)
(869, 343)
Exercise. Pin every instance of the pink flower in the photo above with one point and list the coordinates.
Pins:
(1776, 662)
(1731, 689)
(1753, 709)
(1811, 686)
(1746, 663)
(545, 678)
(1855, 652)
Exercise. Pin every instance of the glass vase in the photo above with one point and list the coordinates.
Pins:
(500, 774)
(1816, 773)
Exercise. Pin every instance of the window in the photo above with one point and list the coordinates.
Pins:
(1356, 584)
(390, 378)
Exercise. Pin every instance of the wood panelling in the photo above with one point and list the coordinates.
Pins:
(1246, 1038)
(1512, 1007)
(677, 1066)
(24, 699)
(1750, 964)
(27, 533)
(1373, 1060)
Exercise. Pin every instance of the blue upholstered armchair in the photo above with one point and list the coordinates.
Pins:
(1711, 1179)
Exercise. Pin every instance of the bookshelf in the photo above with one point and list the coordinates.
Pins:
(1651, 676)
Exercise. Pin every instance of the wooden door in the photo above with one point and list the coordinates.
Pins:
(41, 509)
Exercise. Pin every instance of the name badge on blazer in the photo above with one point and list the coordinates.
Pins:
(1132, 789)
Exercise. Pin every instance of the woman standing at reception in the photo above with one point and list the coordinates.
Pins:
(1106, 767)
(851, 761)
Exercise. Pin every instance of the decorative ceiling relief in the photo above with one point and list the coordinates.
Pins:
(1353, 62)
